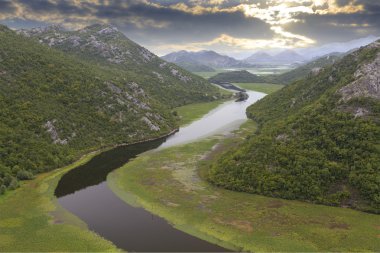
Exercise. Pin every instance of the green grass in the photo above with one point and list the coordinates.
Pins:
(207, 75)
(189, 113)
(167, 183)
(261, 87)
(32, 220)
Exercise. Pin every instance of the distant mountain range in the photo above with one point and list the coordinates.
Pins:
(340, 47)
(284, 57)
(309, 68)
(63, 93)
(205, 58)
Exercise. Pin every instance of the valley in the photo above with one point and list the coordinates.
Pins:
(189, 126)
(172, 183)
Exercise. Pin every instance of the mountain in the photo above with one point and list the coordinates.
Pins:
(105, 45)
(318, 138)
(340, 47)
(242, 76)
(288, 57)
(260, 58)
(208, 58)
(194, 67)
(284, 57)
(302, 71)
(56, 105)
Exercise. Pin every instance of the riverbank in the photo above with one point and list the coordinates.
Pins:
(189, 113)
(261, 87)
(167, 183)
(32, 220)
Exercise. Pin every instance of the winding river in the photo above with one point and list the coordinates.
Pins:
(84, 192)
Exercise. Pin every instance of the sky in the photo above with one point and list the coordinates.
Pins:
(227, 26)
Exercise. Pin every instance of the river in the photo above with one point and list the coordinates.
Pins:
(84, 192)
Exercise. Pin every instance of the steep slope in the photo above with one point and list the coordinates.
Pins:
(106, 46)
(242, 76)
(54, 106)
(194, 67)
(284, 57)
(318, 139)
(209, 58)
(310, 68)
(288, 57)
(260, 58)
(340, 47)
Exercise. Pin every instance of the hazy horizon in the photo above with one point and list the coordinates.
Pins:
(236, 28)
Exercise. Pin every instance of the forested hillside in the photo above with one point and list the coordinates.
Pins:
(241, 76)
(54, 106)
(310, 68)
(105, 45)
(318, 140)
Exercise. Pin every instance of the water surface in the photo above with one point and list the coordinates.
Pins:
(84, 191)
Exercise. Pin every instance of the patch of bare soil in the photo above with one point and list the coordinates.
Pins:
(275, 204)
(339, 226)
(242, 225)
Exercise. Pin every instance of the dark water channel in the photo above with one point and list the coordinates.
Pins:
(84, 192)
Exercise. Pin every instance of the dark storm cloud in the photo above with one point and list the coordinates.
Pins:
(7, 6)
(166, 25)
(184, 27)
(61, 7)
(341, 26)
(160, 22)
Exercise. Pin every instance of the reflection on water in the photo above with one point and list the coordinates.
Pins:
(96, 170)
(224, 118)
(84, 192)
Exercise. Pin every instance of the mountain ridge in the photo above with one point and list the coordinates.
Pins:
(106, 45)
(205, 57)
(318, 139)
(56, 104)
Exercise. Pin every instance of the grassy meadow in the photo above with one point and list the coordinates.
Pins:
(189, 113)
(261, 87)
(32, 220)
(169, 183)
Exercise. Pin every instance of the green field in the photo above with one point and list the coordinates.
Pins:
(167, 183)
(189, 113)
(32, 220)
(207, 75)
(274, 70)
(261, 87)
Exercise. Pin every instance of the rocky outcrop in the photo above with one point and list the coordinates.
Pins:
(367, 81)
(50, 128)
(175, 72)
(241, 96)
(152, 126)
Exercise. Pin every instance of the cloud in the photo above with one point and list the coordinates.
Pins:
(226, 24)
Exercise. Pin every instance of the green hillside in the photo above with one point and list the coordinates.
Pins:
(318, 141)
(55, 106)
(310, 68)
(106, 46)
(241, 76)
(195, 67)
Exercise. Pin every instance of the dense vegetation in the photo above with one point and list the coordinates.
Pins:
(310, 68)
(105, 45)
(55, 106)
(314, 143)
(303, 70)
(241, 76)
(195, 67)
